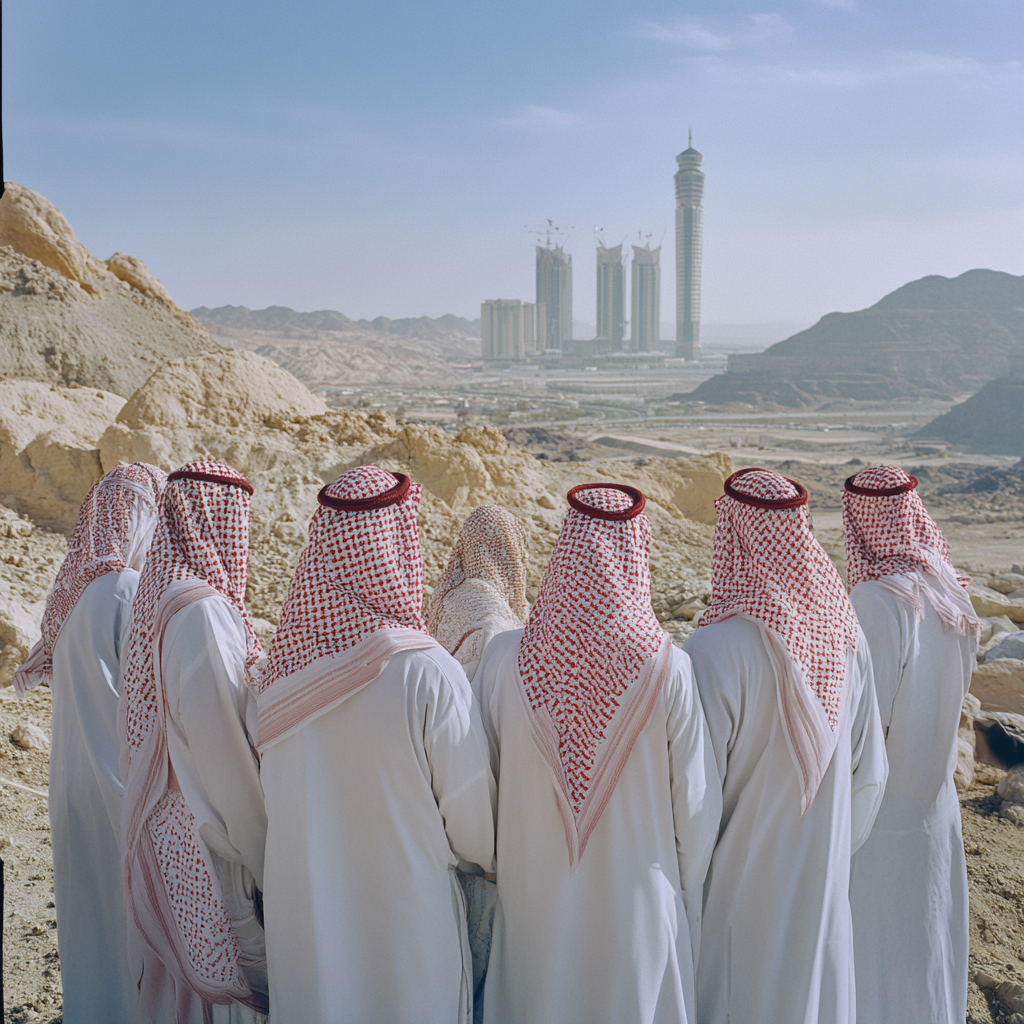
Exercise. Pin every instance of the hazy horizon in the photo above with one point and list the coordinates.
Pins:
(386, 159)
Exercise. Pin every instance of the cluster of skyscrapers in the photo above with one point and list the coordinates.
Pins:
(511, 329)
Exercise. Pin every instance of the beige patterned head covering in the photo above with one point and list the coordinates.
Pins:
(483, 589)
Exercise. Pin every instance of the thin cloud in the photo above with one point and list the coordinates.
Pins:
(534, 118)
(692, 33)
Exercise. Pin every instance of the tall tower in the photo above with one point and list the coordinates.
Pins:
(645, 312)
(611, 295)
(689, 250)
(554, 299)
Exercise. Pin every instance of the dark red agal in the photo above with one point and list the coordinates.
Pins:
(778, 503)
(212, 478)
(880, 492)
(639, 501)
(375, 501)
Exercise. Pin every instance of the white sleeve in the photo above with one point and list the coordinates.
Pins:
(204, 680)
(867, 749)
(495, 661)
(696, 789)
(883, 627)
(460, 776)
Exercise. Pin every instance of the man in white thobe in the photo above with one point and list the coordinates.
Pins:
(84, 629)
(784, 675)
(375, 771)
(194, 824)
(909, 884)
(483, 589)
(608, 796)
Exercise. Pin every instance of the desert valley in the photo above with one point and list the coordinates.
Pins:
(98, 366)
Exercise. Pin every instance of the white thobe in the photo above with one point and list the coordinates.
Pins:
(617, 940)
(909, 885)
(208, 703)
(85, 804)
(777, 940)
(371, 807)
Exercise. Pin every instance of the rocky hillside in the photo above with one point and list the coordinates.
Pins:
(56, 441)
(69, 318)
(990, 421)
(326, 347)
(935, 338)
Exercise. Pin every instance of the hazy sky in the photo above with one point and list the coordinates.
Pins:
(384, 156)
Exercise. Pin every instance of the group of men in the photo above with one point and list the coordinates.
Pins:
(496, 812)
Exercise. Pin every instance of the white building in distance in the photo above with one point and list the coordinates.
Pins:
(507, 329)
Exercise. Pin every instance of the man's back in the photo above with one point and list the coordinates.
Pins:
(612, 940)
(776, 932)
(366, 804)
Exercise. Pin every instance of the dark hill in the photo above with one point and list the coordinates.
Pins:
(990, 290)
(990, 422)
(931, 338)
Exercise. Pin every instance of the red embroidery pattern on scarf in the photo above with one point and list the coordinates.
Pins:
(202, 536)
(768, 564)
(99, 545)
(590, 631)
(359, 573)
(893, 535)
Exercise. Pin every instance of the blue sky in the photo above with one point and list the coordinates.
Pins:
(386, 156)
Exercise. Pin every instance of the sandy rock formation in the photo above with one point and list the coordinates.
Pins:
(33, 226)
(990, 602)
(49, 455)
(29, 559)
(240, 408)
(999, 685)
(137, 275)
(192, 404)
(69, 318)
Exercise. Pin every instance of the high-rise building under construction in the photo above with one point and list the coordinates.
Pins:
(554, 299)
(689, 250)
(504, 328)
(645, 309)
(611, 296)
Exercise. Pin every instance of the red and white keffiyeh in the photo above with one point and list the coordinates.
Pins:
(174, 899)
(112, 533)
(769, 566)
(483, 587)
(891, 538)
(593, 646)
(355, 601)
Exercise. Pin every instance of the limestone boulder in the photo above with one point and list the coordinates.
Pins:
(19, 630)
(136, 274)
(49, 447)
(32, 225)
(999, 685)
(989, 602)
(1007, 582)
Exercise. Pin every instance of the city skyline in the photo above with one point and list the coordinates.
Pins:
(383, 159)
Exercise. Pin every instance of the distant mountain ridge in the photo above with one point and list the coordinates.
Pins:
(933, 337)
(278, 319)
(326, 347)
